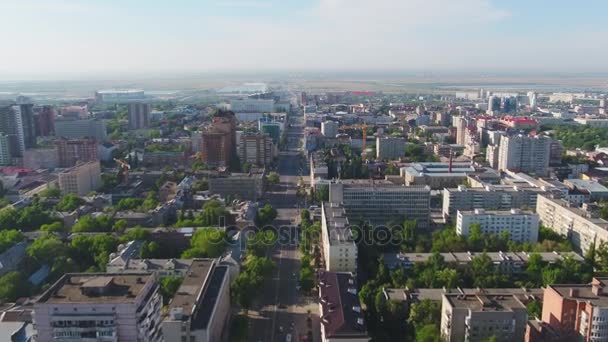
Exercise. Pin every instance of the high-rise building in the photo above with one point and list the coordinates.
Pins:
(521, 226)
(379, 201)
(28, 127)
(100, 307)
(41, 158)
(329, 128)
(256, 149)
(80, 179)
(45, 121)
(525, 154)
(532, 98)
(575, 312)
(461, 123)
(219, 140)
(139, 115)
(71, 152)
(5, 150)
(390, 147)
(509, 104)
(493, 104)
(78, 129)
(339, 248)
(17, 122)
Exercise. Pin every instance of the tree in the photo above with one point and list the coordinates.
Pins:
(33, 217)
(169, 286)
(12, 286)
(69, 202)
(448, 277)
(306, 278)
(8, 218)
(423, 313)
(55, 227)
(535, 309)
(265, 216)
(45, 248)
(128, 204)
(149, 250)
(428, 333)
(120, 226)
(206, 243)
(51, 192)
(273, 178)
(8, 238)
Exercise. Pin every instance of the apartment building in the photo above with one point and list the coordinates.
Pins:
(441, 175)
(77, 129)
(529, 154)
(577, 312)
(339, 248)
(256, 149)
(139, 115)
(390, 148)
(100, 307)
(246, 186)
(70, 152)
(490, 197)
(340, 310)
(201, 306)
(582, 227)
(318, 168)
(522, 226)
(80, 179)
(479, 317)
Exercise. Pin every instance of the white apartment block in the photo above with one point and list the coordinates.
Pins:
(81, 179)
(339, 248)
(522, 226)
(479, 317)
(100, 307)
(525, 154)
(581, 227)
(390, 147)
(256, 149)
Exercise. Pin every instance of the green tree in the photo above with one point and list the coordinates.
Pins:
(51, 192)
(273, 178)
(149, 250)
(9, 218)
(423, 313)
(169, 286)
(45, 248)
(265, 216)
(69, 202)
(206, 243)
(13, 285)
(8, 238)
(306, 278)
(55, 227)
(428, 333)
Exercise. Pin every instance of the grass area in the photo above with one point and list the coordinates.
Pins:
(239, 329)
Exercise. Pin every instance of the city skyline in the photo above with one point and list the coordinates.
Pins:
(68, 37)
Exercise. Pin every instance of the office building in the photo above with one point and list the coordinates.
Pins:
(379, 201)
(582, 227)
(78, 129)
(525, 154)
(461, 123)
(493, 104)
(252, 106)
(272, 128)
(17, 123)
(245, 186)
(442, 175)
(329, 128)
(119, 95)
(28, 126)
(80, 179)
(479, 317)
(339, 308)
(45, 122)
(41, 158)
(490, 197)
(522, 226)
(200, 308)
(256, 149)
(218, 144)
(6, 157)
(339, 248)
(390, 148)
(100, 307)
(533, 100)
(576, 312)
(139, 115)
(71, 152)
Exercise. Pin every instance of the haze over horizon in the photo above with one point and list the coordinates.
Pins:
(54, 38)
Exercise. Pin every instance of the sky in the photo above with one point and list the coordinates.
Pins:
(44, 37)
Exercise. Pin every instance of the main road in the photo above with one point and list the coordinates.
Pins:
(281, 309)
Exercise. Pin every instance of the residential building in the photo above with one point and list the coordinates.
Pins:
(272, 128)
(41, 158)
(329, 128)
(139, 115)
(245, 186)
(45, 122)
(119, 95)
(80, 179)
(252, 106)
(582, 227)
(597, 191)
(28, 127)
(71, 152)
(340, 310)
(201, 306)
(479, 317)
(441, 175)
(17, 123)
(577, 312)
(100, 307)
(461, 123)
(379, 201)
(78, 129)
(505, 262)
(489, 197)
(256, 149)
(339, 248)
(525, 154)
(318, 168)
(164, 158)
(522, 226)
(218, 143)
(390, 148)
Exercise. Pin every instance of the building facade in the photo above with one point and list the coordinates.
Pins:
(80, 179)
(256, 149)
(329, 128)
(71, 152)
(78, 129)
(139, 115)
(339, 248)
(525, 154)
(522, 226)
(390, 148)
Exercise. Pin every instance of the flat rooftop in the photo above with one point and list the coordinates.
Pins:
(485, 302)
(96, 288)
(584, 292)
(415, 295)
(188, 293)
(338, 226)
(466, 257)
(579, 212)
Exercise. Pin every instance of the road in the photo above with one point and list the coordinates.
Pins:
(282, 309)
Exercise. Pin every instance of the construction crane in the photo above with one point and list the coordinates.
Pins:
(124, 169)
(363, 129)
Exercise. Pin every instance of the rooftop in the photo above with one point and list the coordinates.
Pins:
(484, 302)
(189, 292)
(338, 226)
(415, 295)
(341, 312)
(394, 259)
(585, 292)
(86, 288)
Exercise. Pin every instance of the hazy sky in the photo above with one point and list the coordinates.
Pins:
(92, 36)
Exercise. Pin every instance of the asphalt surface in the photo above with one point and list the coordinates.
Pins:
(281, 309)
